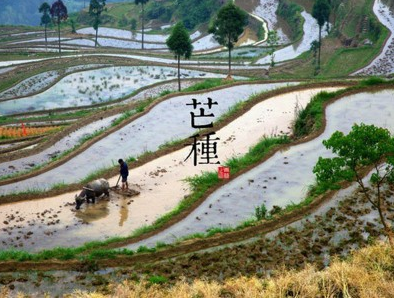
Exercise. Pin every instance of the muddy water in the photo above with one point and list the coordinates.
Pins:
(96, 86)
(31, 161)
(160, 182)
(169, 120)
(284, 178)
(311, 33)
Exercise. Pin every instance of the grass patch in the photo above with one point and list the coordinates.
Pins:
(345, 61)
(157, 279)
(310, 118)
(206, 84)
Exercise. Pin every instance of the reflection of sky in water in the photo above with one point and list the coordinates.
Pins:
(285, 177)
(95, 86)
(311, 33)
(169, 120)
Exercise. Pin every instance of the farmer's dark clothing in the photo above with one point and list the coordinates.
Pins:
(124, 171)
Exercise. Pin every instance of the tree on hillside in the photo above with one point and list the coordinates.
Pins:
(96, 7)
(321, 12)
(142, 2)
(45, 18)
(365, 145)
(180, 44)
(133, 27)
(58, 12)
(228, 26)
(272, 41)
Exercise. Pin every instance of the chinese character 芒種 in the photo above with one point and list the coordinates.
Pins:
(207, 148)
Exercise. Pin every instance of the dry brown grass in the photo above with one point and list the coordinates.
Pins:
(368, 273)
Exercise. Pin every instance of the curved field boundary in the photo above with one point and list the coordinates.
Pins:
(61, 75)
(110, 173)
(28, 142)
(199, 244)
(186, 247)
(111, 112)
(317, 202)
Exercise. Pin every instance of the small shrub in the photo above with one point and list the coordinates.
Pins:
(157, 279)
(165, 92)
(275, 210)
(260, 212)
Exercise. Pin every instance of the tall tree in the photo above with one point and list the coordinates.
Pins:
(180, 44)
(228, 26)
(272, 41)
(365, 145)
(321, 12)
(45, 18)
(58, 12)
(142, 2)
(96, 7)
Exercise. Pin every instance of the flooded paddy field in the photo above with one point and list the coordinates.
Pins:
(284, 178)
(27, 163)
(159, 181)
(174, 124)
(267, 9)
(97, 86)
(127, 34)
(311, 33)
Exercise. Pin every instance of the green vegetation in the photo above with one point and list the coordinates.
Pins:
(206, 84)
(142, 2)
(272, 42)
(365, 145)
(59, 14)
(157, 279)
(321, 12)
(45, 18)
(228, 26)
(310, 118)
(260, 212)
(199, 185)
(291, 13)
(51, 117)
(202, 11)
(96, 7)
(180, 45)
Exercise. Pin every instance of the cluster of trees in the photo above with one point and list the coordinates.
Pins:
(57, 13)
(226, 28)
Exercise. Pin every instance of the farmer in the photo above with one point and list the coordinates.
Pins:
(124, 172)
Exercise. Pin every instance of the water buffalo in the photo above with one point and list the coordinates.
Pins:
(92, 190)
